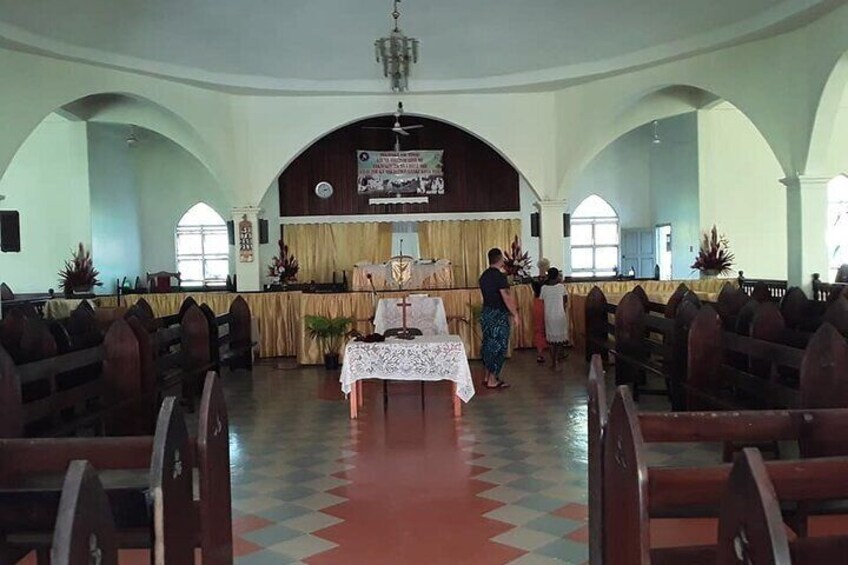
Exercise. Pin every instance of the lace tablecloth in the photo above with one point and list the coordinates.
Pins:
(429, 358)
(425, 313)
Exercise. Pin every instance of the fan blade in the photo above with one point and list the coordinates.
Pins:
(400, 131)
(417, 126)
(376, 127)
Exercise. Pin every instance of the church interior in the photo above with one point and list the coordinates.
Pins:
(409, 282)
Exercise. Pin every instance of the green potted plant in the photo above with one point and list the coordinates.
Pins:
(79, 275)
(329, 333)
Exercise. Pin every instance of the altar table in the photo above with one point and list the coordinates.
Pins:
(425, 313)
(423, 275)
(425, 358)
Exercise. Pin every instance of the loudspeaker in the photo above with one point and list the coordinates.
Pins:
(231, 232)
(566, 225)
(263, 232)
(10, 232)
(534, 224)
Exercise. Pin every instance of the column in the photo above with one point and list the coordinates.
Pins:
(806, 222)
(248, 268)
(551, 239)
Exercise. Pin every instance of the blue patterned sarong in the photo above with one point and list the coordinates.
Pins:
(495, 325)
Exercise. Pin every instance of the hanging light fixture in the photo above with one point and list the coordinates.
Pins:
(398, 53)
(131, 138)
(656, 139)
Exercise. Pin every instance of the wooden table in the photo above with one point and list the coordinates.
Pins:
(425, 358)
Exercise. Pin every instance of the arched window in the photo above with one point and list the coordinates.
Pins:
(203, 250)
(837, 224)
(594, 239)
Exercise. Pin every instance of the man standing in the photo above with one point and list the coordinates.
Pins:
(498, 305)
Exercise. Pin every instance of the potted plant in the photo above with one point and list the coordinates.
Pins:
(79, 275)
(516, 262)
(329, 333)
(284, 267)
(714, 257)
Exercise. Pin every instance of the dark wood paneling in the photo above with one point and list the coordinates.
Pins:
(477, 179)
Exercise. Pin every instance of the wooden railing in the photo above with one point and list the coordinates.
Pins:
(771, 290)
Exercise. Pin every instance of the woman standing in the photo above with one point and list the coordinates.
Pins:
(498, 306)
(556, 324)
(539, 340)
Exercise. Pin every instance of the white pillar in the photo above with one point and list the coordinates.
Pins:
(248, 272)
(551, 240)
(806, 222)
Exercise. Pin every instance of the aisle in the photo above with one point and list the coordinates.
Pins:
(506, 483)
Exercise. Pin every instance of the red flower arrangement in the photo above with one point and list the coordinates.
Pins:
(714, 255)
(79, 273)
(285, 267)
(516, 262)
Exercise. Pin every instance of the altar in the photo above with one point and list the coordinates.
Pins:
(422, 275)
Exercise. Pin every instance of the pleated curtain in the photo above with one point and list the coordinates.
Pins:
(322, 249)
(465, 243)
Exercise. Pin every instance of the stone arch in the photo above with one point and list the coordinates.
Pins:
(112, 106)
(655, 102)
(271, 183)
(830, 107)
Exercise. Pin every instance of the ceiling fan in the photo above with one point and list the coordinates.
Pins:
(397, 128)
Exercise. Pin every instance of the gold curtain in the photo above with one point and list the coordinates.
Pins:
(322, 249)
(465, 243)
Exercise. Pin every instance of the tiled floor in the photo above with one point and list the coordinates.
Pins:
(505, 483)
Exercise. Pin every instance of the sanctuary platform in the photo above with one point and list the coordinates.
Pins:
(281, 315)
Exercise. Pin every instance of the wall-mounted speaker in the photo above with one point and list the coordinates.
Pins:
(263, 232)
(10, 232)
(566, 225)
(231, 232)
(534, 224)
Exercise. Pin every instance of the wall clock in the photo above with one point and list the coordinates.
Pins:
(324, 189)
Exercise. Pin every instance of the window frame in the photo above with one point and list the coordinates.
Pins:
(204, 256)
(594, 246)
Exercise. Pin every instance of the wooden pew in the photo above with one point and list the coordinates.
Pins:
(625, 492)
(83, 529)
(58, 395)
(714, 383)
(159, 511)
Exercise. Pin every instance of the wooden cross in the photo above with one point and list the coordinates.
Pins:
(403, 305)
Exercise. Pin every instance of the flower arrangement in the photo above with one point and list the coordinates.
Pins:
(79, 273)
(516, 262)
(284, 267)
(714, 256)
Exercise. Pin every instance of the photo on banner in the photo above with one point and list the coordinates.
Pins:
(400, 172)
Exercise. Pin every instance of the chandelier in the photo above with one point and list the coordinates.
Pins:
(398, 53)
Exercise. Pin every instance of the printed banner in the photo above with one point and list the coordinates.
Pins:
(404, 172)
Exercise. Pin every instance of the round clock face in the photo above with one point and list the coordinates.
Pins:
(324, 189)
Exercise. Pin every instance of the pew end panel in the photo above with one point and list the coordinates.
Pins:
(85, 531)
(596, 324)
(175, 523)
(824, 384)
(705, 356)
(213, 462)
(597, 415)
(11, 414)
(625, 489)
(751, 528)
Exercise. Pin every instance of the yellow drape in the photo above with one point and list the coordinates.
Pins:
(322, 249)
(465, 243)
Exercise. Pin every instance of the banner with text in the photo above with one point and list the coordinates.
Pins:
(400, 172)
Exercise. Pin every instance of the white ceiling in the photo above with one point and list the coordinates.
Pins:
(327, 45)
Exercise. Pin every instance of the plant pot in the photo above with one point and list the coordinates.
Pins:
(709, 274)
(331, 361)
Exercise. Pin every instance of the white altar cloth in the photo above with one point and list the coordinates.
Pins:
(425, 358)
(425, 313)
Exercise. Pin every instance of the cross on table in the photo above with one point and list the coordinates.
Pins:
(403, 305)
